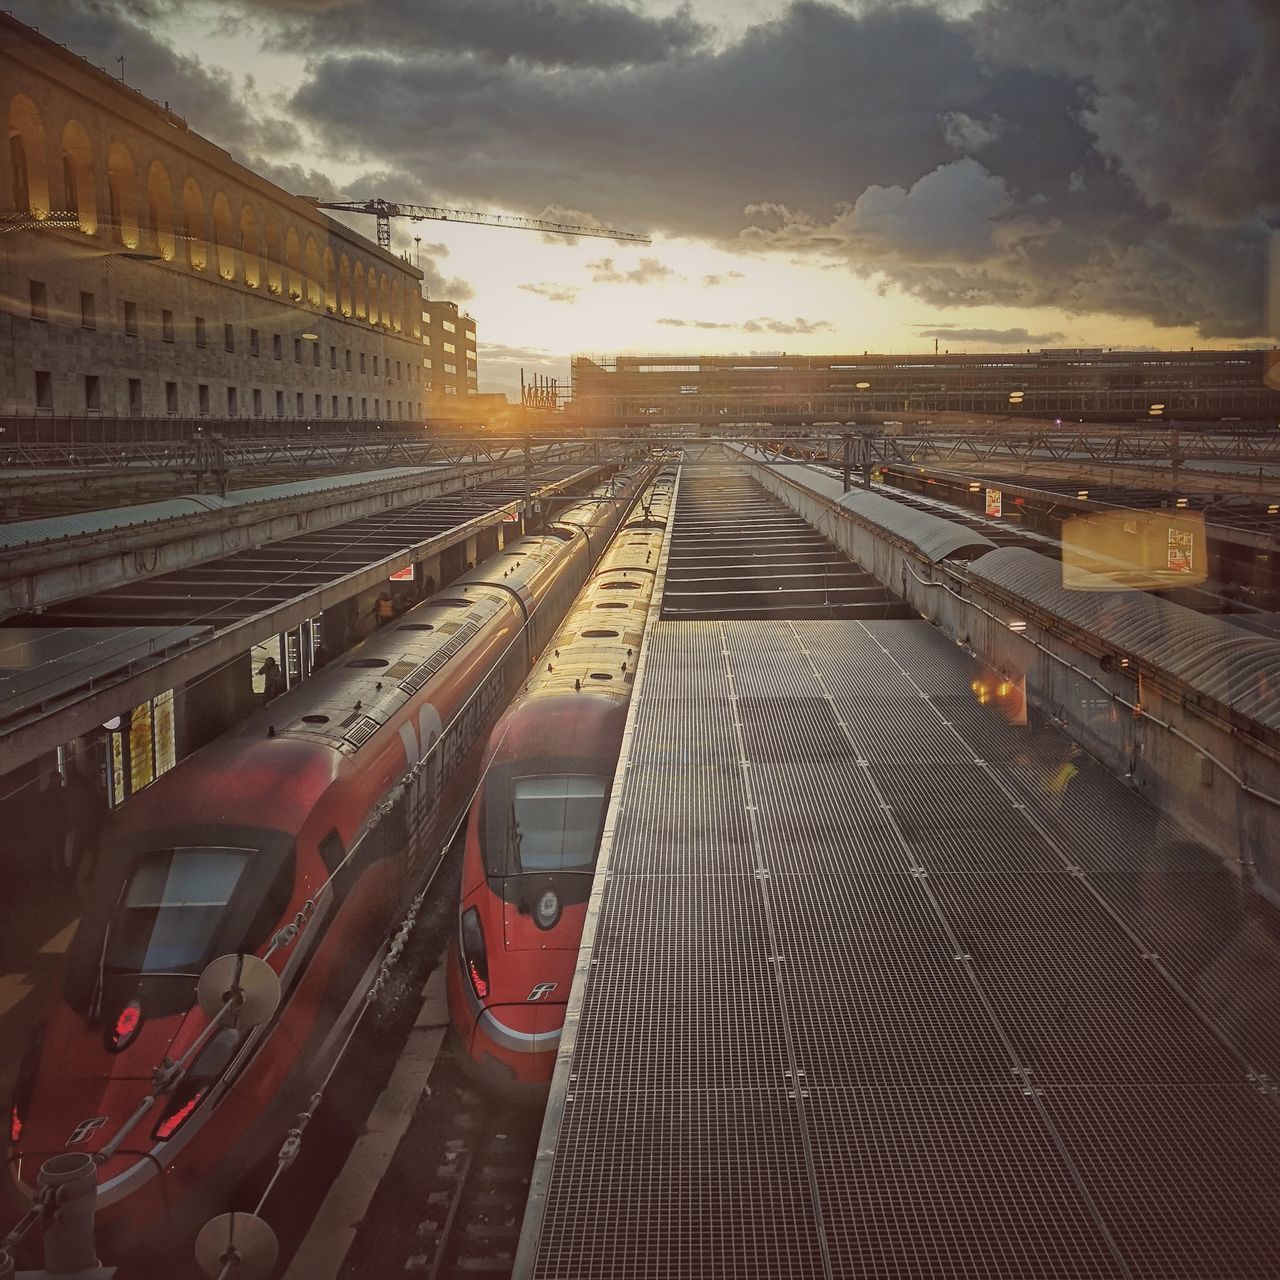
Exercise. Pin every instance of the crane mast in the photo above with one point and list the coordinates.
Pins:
(385, 210)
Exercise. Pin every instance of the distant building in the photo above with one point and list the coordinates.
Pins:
(1070, 382)
(145, 273)
(449, 356)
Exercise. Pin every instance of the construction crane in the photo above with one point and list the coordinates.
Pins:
(384, 211)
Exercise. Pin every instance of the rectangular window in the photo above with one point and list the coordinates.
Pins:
(171, 397)
(319, 405)
(451, 368)
(397, 368)
(377, 407)
(202, 398)
(348, 359)
(233, 402)
(471, 357)
(135, 397)
(450, 349)
(297, 351)
(44, 389)
(279, 404)
(315, 354)
(450, 327)
(333, 406)
(39, 300)
(362, 368)
(364, 406)
(253, 342)
(257, 402)
(399, 408)
(166, 325)
(375, 366)
(88, 313)
(229, 336)
(297, 404)
(451, 391)
(426, 364)
(350, 407)
(277, 346)
(333, 357)
(469, 334)
(92, 393)
(200, 333)
(131, 319)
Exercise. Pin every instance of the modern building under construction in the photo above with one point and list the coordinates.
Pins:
(1082, 383)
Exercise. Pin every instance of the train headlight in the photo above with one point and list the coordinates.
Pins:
(546, 911)
(474, 956)
(121, 1034)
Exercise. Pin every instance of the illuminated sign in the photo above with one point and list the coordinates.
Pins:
(995, 503)
(402, 575)
(1182, 545)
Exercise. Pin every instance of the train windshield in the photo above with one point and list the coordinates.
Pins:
(557, 821)
(170, 909)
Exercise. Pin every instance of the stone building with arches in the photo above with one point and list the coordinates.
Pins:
(146, 273)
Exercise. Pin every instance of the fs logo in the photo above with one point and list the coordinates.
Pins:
(84, 1129)
(541, 991)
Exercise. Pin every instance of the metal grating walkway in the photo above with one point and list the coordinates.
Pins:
(866, 996)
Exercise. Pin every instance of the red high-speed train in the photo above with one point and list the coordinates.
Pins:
(223, 852)
(534, 830)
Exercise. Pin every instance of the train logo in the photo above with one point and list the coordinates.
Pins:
(85, 1128)
(541, 991)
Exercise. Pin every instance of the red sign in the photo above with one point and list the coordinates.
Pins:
(402, 575)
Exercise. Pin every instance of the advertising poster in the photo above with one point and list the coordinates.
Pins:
(995, 503)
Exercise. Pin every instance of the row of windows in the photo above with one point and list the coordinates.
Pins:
(129, 325)
(300, 407)
(145, 212)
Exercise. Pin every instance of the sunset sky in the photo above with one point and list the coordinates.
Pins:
(869, 175)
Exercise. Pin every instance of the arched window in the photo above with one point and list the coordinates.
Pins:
(361, 302)
(224, 250)
(122, 196)
(330, 282)
(395, 306)
(293, 259)
(274, 282)
(28, 157)
(193, 225)
(250, 248)
(311, 271)
(384, 303)
(80, 192)
(160, 209)
(344, 285)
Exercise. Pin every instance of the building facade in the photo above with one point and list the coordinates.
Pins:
(1091, 383)
(449, 355)
(145, 273)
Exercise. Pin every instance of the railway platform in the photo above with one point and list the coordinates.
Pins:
(881, 980)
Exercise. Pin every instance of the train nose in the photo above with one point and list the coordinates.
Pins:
(543, 913)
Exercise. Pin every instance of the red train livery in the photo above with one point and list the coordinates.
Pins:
(534, 830)
(222, 853)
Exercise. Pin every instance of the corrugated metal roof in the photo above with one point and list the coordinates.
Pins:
(1212, 656)
(931, 535)
(25, 533)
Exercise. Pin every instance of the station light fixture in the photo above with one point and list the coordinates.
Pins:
(1181, 502)
(1082, 494)
(1274, 509)
(1017, 624)
(974, 487)
(863, 386)
(311, 337)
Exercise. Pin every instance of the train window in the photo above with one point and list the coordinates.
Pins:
(170, 909)
(558, 821)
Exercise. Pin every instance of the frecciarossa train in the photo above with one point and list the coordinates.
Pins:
(533, 834)
(220, 855)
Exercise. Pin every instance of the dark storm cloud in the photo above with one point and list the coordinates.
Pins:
(1100, 155)
(568, 33)
(230, 114)
(993, 337)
